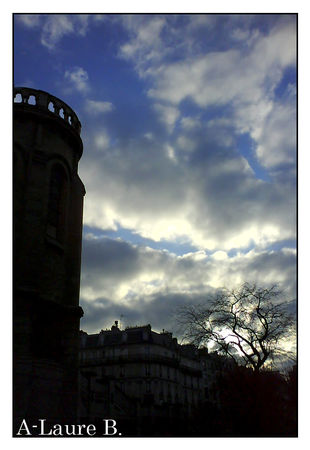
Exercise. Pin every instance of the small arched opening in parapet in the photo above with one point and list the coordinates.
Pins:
(32, 100)
(51, 107)
(61, 113)
(70, 120)
(57, 202)
(18, 98)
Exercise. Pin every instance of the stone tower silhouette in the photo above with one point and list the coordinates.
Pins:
(48, 207)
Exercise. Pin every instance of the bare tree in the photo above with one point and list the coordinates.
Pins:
(249, 324)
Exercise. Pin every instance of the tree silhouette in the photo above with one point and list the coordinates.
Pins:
(249, 324)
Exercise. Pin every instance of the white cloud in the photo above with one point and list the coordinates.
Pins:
(78, 79)
(102, 140)
(186, 144)
(231, 75)
(206, 79)
(56, 26)
(189, 123)
(145, 45)
(97, 107)
(149, 136)
(277, 143)
(219, 255)
(29, 20)
(82, 23)
(171, 153)
(243, 78)
(201, 20)
(167, 114)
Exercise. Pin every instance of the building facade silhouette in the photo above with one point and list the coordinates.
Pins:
(47, 233)
(144, 380)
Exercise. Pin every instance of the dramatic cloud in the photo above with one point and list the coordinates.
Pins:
(143, 284)
(193, 187)
(189, 164)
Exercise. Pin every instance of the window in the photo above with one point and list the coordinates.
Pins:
(57, 202)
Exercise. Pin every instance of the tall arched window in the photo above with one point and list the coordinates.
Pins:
(57, 202)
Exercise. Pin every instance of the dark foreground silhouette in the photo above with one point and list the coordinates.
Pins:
(249, 404)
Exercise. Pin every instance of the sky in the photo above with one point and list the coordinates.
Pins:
(189, 163)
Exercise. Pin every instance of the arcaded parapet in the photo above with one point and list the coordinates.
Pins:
(43, 101)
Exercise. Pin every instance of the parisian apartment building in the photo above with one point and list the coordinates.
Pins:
(143, 378)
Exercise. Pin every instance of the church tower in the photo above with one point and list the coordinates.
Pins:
(48, 208)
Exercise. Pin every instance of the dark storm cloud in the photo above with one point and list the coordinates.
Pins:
(110, 258)
(114, 258)
(276, 268)
(110, 265)
(160, 311)
(102, 313)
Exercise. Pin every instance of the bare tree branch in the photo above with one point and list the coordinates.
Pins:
(248, 324)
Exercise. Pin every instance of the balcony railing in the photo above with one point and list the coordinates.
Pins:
(44, 101)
